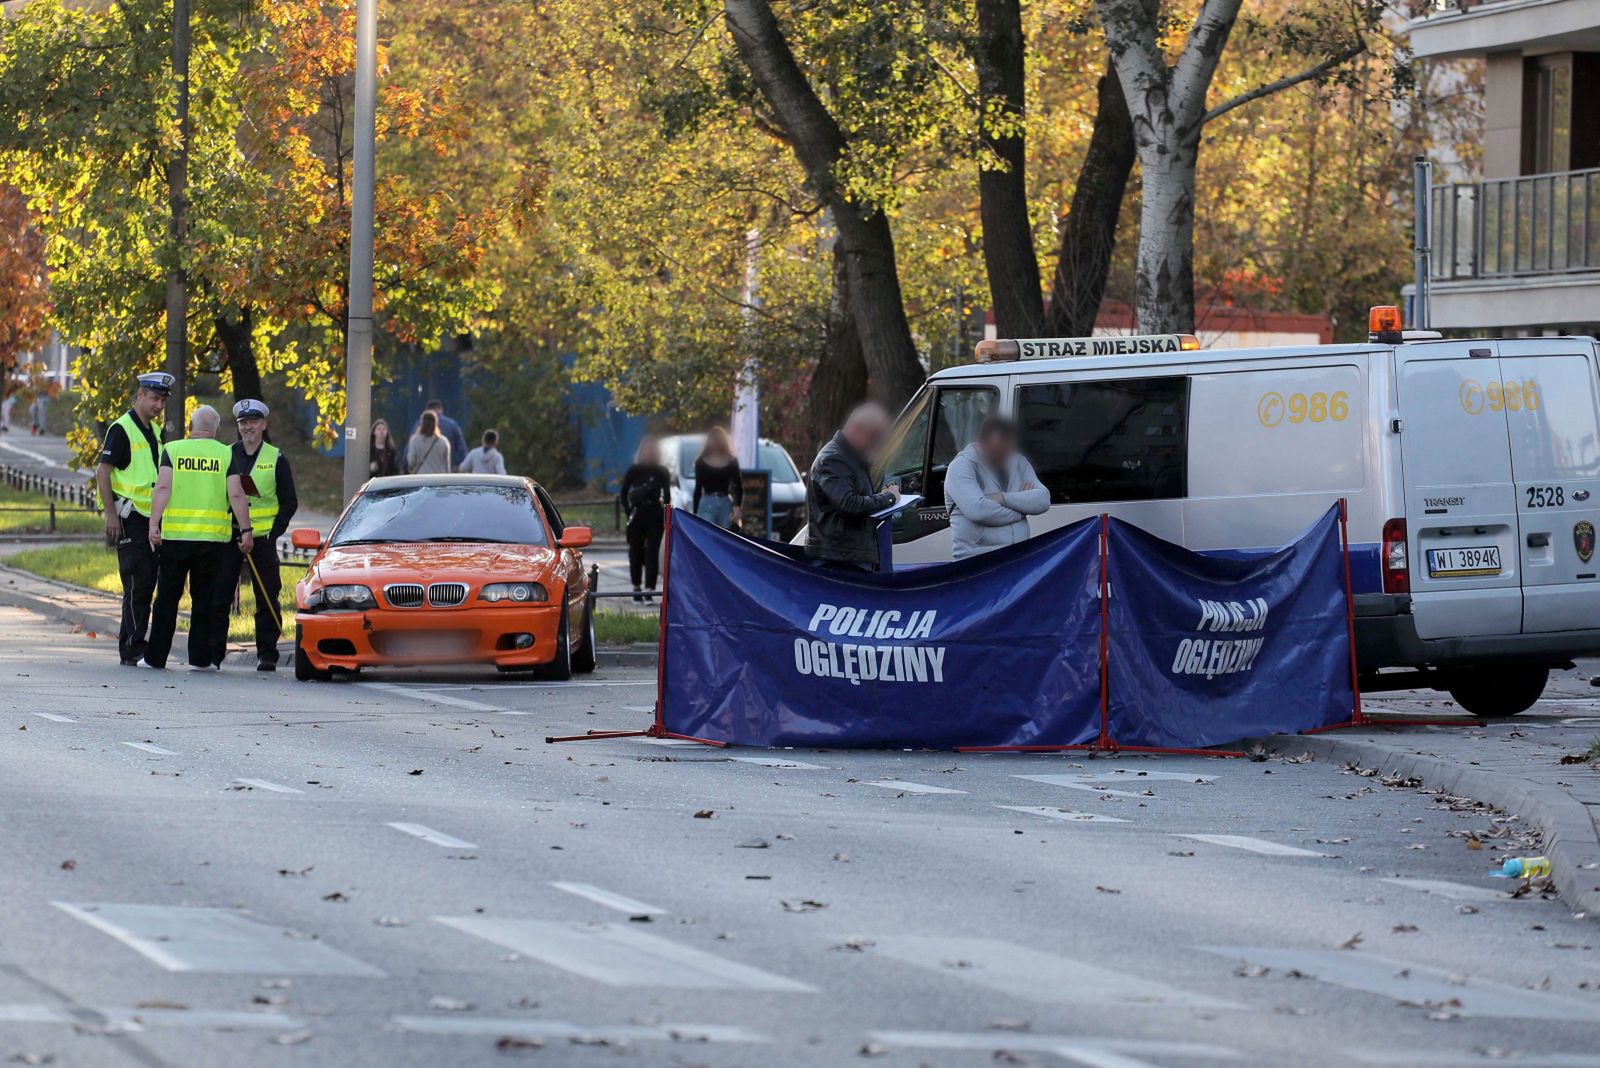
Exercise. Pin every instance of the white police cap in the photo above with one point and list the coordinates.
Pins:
(249, 409)
(156, 381)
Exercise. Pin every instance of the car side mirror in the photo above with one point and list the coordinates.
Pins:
(308, 538)
(575, 537)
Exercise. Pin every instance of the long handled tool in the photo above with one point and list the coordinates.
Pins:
(261, 591)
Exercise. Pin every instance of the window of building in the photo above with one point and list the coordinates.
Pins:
(1122, 439)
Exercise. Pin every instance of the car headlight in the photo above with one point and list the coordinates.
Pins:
(342, 598)
(513, 593)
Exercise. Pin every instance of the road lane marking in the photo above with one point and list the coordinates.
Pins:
(1063, 814)
(561, 1030)
(38, 458)
(415, 694)
(618, 955)
(779, 762)
(1130, 774)
(1090, 1052)
(1414, 984)
(1416, 1058)
(1073, 783)
(1034, 975)
(668, 741)
(1252, 845)
(1453, 891)
(182, 939)
(428, 834)
(605, 897)
(149, 748)
(125, 1018)
(53, 718)
(263, 784)
(909, 787)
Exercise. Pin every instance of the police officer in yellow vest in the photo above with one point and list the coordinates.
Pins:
(269, 489)
(189, 527)
(126, 476)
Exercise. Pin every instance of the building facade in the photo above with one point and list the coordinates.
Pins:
(1519, 251)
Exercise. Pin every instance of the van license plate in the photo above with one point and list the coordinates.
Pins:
(1467, 560)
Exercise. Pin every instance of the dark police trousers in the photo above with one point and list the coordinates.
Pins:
(194, 562)
(644, 547)
(136, 562)
(265, 555)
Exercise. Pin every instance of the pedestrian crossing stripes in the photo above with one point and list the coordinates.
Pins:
(1074, 783)
(560, 1030)
(611, 901)
(1453, 891)
(1252, 845)
(910, 787)
(139, 1018)
(428, 834)
(150, 747)
(620, 956)
(1064, 814)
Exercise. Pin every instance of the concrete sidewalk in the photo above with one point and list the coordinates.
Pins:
(1513, 764)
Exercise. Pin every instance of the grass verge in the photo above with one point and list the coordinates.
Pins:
(624, 628)
(29, 513)
(95, 566)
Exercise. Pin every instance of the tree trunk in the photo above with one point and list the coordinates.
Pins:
(1008, 253)
(1165, 271)
(868, 246)
(840, 379)
(1089, 235)
(238, 342)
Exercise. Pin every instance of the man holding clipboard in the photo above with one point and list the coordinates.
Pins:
(269, 488)
(842, 504)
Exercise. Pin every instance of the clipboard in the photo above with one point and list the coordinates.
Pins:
(249, 485)
(907, 500)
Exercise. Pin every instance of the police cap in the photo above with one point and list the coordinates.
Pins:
(249, 409)
(156, 382)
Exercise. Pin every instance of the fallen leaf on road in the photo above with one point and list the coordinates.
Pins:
(754, 843)
(872, 1049)
(269, 1000)
(440, 1003)
(157, 1003)
(517, 1044)
(1108, 890)
(1473, 843)
(1352, 942)
(1404, 928)
(337, 895)
(644, 917)
(1251, 971)
(414, 771)
(1180, 852)
(69, 865)
(856, 945)
(842, 858)
(802, 906)
(706, 814)
(295, 872)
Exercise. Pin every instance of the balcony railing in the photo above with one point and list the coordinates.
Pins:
(1539, 224)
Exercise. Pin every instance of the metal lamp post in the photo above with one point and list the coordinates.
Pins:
(358, 326)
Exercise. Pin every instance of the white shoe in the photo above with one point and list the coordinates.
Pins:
(146, 664)
(204, 667)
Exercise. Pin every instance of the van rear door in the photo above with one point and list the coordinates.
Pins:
(1548, 391)
(1461, 508)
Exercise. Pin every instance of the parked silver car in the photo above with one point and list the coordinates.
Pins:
(788, 489)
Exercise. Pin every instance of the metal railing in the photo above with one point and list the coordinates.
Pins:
(82, 494)
(1538, 224)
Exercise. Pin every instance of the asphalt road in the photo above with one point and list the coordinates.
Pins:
(238, 869)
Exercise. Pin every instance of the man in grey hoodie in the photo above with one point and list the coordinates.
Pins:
(991, 489)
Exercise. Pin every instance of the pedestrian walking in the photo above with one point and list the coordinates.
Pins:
(428, 453)
(841, 497)
(486, 459)
(268, 483)
(991, 490)
(718, 488)
(189, 529)
(645, 493)
(5, 410)
(126, 479)
(383, 459)
(449, 428)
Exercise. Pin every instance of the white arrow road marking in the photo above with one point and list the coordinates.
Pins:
(561, 1030)
(428, 834)
(1034, 975)
(910, 787)
(263, 784)
(611, 901)
(52, 717)
(138, 1018)
(1074, 783)
(1253, 845)
(1414, 984)
(1064, 814)
(1090, 1052)
(1453, 891)
(214, 940)
(618, 955)
(149, 748)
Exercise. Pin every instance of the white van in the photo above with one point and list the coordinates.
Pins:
(1472, 471)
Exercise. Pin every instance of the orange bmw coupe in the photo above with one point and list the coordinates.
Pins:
(446, 569)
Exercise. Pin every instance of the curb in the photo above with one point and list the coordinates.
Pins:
(1570, 838)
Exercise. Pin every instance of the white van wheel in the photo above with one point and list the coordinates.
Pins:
(1494, 693)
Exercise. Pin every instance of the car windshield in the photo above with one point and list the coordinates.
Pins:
(442, 513)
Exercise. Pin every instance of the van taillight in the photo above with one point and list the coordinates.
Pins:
(1396, 567)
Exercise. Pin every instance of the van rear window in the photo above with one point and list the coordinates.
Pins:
(1122, 439)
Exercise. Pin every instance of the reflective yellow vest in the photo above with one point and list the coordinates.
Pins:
(264, 503)
(134, 482)
(198, 510)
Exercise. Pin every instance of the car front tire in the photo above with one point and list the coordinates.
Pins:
(583, 659)
(560, 669)
(1495, 693)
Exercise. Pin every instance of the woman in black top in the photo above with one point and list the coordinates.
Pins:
(645, 493)
(383, 460)
(718, 489)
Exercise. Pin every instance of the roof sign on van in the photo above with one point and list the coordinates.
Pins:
(1055, 348)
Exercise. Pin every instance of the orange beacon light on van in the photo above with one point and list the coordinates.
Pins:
(1383, 324)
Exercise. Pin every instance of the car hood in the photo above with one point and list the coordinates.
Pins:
(425, 562)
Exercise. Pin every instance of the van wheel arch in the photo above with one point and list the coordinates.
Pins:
(1498, 692)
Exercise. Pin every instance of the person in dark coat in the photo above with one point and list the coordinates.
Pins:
(383, 458)
(841, 496)
(645, 493)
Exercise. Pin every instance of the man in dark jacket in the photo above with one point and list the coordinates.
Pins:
(840, 497)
